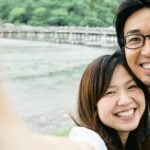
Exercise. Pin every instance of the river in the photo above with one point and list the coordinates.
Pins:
(42, 80)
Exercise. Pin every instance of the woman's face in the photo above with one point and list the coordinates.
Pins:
(123, 104)
(139, 59)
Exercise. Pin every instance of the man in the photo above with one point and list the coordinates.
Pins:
(133, 34)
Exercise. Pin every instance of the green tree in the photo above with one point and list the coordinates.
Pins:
(5, 7)
(58, 17)
(18, 15)
(39, 17)
(56, 12)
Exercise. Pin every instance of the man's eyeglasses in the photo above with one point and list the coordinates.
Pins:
(135, 40)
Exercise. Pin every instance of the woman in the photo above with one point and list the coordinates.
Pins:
(106, 92)
(112, 112)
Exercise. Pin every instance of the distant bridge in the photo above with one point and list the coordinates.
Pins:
(105, 37)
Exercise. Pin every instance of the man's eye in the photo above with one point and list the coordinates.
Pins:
(134, 40)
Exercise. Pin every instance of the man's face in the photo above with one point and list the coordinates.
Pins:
(139, 59)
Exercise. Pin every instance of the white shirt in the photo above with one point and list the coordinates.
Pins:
(82, 134)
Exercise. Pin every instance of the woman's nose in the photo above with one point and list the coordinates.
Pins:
(124, 100)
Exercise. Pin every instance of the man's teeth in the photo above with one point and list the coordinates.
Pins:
(146, 66)
(126, 113)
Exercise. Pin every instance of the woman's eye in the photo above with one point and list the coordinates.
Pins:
(132, 86)
(110, 92)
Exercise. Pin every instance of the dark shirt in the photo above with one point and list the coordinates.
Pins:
(146, 144)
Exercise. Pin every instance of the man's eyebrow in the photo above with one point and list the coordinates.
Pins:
(133, 31)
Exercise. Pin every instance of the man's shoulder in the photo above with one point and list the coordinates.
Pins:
(146, 144)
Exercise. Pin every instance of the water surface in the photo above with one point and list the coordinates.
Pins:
(43, 79)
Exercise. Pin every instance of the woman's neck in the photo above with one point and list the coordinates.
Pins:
(123, 136)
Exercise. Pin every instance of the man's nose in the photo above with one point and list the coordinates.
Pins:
(146, 47)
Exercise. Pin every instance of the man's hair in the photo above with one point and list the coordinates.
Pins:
(127, 8)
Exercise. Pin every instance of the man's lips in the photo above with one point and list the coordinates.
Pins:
(145, 65)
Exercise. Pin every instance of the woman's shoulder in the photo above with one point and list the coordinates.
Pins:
(82, 134)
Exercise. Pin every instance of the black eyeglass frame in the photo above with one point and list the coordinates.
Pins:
(143, 36)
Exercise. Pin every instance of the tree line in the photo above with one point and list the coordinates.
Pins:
(59, 12)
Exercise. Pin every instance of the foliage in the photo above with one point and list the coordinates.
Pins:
(17, 15)
(59, 12)
(39, 17)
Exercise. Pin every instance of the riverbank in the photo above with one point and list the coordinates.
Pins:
(6, 42)
(90, 36)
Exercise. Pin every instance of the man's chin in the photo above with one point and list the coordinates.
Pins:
(147, 84)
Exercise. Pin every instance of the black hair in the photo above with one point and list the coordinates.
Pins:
(127, 8)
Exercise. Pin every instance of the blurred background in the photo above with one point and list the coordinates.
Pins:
(59, 12)
(45, 46)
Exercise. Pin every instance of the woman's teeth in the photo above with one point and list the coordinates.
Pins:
(126, 113)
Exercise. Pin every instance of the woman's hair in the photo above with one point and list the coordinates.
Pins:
(127, 8)
(94, 83)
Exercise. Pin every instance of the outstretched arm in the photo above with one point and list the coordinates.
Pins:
(13, 133)
(15, 136)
